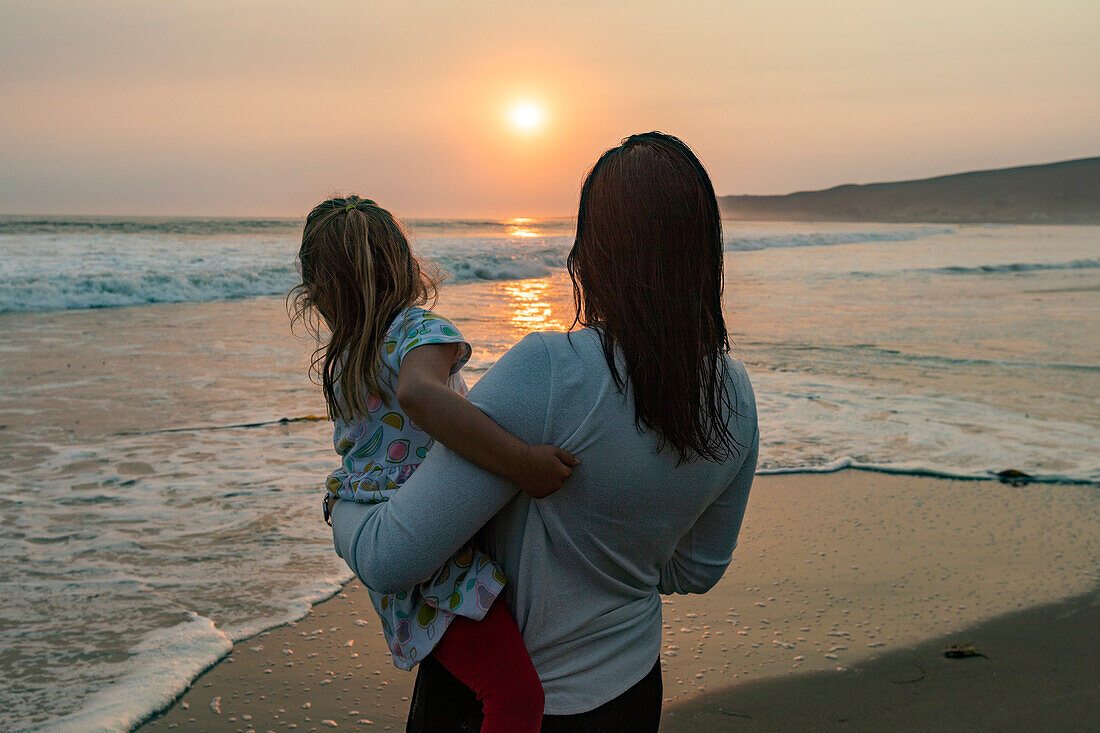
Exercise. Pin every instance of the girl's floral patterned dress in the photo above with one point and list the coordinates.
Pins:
(380, 450)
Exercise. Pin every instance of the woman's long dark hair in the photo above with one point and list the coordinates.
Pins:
(647, 273)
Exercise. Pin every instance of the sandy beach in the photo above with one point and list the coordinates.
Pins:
(843, 592)
(1037, 672)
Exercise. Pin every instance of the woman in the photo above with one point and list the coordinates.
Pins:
(663, 423)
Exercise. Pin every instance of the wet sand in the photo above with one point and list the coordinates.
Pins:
(837, 581)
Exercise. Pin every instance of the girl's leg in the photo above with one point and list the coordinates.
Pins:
(489, 657)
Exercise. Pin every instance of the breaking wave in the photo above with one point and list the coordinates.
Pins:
(1016, 267)
(67, 264)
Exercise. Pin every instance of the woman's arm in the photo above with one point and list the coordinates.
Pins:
(452, 420)
(398, 543)
(703, 554)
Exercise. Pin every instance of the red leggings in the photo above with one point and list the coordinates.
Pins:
(489, 657)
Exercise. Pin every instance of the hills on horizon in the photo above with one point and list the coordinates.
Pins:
(1066, 192)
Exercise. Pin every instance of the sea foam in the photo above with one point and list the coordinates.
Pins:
(166, 661)
(163, 665)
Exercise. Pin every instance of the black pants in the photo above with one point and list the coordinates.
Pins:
(442, 704)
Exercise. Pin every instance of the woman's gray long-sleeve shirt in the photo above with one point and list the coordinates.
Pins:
(585, 565)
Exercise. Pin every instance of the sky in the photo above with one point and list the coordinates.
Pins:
(265, 107)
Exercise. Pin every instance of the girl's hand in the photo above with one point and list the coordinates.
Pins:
(544, 469)
(422, 392)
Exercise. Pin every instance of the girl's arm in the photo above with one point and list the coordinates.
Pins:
(398, 543)
(452, 420)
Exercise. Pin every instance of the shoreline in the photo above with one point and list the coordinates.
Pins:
(833, 570)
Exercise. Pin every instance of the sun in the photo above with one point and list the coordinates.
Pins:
(526, 116)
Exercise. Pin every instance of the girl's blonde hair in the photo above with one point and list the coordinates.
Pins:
(358, 273)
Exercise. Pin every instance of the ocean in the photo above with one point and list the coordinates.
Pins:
(156, 506)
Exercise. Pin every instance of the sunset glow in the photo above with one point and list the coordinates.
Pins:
(526, 117)
(488, 121)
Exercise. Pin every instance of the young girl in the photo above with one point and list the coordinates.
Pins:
(390, 374)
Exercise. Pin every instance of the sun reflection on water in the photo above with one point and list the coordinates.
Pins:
(521, 227)
(530, 307)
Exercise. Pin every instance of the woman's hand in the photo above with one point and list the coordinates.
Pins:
(543, 470)
(330, 502)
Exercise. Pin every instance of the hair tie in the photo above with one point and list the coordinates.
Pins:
(349, 207)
